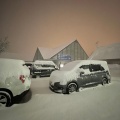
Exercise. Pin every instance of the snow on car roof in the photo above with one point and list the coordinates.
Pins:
(12, 67)
(70, 65)
(75, 64)
(44, 62)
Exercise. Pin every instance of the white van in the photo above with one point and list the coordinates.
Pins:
(78, 74)
(42, 68)
(14, 80)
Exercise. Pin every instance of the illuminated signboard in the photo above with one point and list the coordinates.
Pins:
(64, 57)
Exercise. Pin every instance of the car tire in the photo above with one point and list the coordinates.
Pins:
(72, 87)
(104, 81)
(34, 76)
(5, 99)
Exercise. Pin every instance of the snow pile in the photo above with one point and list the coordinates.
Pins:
(96, 103)
(107, 52)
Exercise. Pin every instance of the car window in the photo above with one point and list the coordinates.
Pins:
(85, 69)
(85, 66)
(95, 67)
(102, 68)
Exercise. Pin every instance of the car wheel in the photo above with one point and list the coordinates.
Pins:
(72, 87)
(34, 76)
(104, 81)
(5, 99)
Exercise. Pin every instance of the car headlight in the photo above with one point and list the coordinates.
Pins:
(61, 65)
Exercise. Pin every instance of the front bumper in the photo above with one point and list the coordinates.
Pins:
(57, 87)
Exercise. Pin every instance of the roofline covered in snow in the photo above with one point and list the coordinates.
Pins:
(47, 53)
(106, 52)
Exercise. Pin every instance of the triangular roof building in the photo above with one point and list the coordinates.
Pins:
(69, 52)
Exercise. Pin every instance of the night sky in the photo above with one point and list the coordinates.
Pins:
(49, 23)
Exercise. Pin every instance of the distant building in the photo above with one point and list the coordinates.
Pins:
(63, 54)
(110, 53)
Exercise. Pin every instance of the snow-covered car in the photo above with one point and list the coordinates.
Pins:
(14, 80)
(28, 65)
(78, 74)
(42, 68)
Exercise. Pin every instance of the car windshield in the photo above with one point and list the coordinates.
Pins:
(69, 66)
(38, 65)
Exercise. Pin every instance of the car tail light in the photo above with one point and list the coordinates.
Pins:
(22, 78)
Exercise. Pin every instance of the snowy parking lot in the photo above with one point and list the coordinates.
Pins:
(94, 103)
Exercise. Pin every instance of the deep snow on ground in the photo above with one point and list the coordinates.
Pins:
(89, 104)
(94, 103)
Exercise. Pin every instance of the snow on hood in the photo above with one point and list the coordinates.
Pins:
(12, 67)
(44, 62)
(38, 63)
(57, 76)
(67, 73)
(63, 76)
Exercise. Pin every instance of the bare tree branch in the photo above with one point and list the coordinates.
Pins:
(4, 43)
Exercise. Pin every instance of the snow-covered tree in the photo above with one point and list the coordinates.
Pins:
(3, 44)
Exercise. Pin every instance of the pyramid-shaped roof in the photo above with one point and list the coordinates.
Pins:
(47, 53)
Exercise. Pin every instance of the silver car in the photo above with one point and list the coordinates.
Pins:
(78, 74)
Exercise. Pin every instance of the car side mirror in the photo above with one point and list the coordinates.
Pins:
(81, 73)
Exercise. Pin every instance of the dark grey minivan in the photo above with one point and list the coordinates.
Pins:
(78, 74)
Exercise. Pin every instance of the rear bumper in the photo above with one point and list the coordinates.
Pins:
(23, 97)
(21, 88)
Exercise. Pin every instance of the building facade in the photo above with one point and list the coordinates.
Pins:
(63, 54)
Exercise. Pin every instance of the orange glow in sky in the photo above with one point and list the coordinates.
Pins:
(49, 23)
